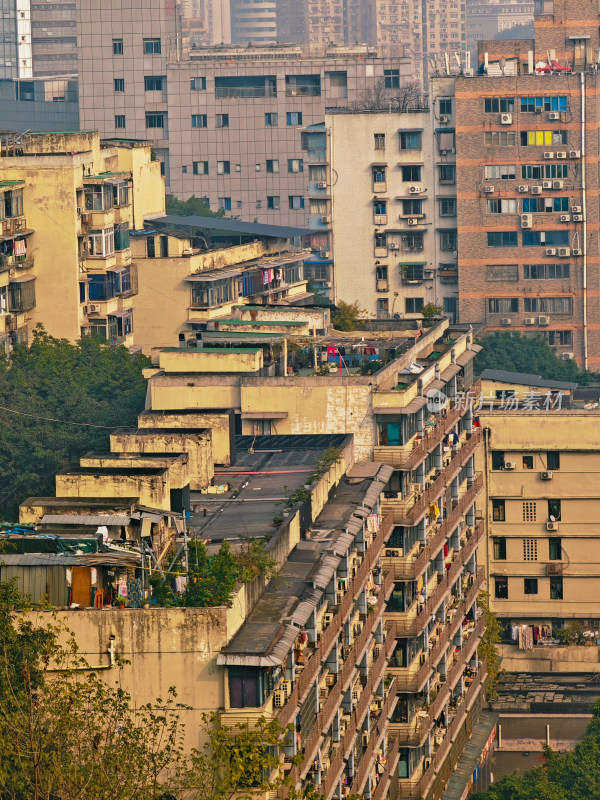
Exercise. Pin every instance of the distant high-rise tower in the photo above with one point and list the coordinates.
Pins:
(53, 36)
(15, 39)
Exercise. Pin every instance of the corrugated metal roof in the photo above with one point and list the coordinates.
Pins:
(277, 655)
(305, 608)
(410, 408)
(326, 571)
(464, 358)
(229, 226)
(85, 519)
(57, 559)
(344, 542)
(524, 378)
(450, 372)
(353, 526)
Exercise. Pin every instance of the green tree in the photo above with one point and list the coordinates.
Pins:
(347, 316)
(487, 649)
(52, 394)
(516, 353)
(192, 207)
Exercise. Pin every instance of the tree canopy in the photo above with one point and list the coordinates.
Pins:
(192, 207)
(58, 390)
(516, 353)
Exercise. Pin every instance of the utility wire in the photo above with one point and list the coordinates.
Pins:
(62, 421)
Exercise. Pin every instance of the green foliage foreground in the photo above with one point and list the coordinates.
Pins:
(574, 775)
(67, 735)
(77, 384)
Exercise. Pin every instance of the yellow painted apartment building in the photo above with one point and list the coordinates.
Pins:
(69, 202)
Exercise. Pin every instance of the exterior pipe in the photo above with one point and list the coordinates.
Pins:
(584, 210)
(88, 668)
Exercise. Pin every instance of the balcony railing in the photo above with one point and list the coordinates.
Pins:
(407, 459)
(226, 92)
(13, 225)
(407, 569)
(405, 514)
(392, 756)
(303, 91)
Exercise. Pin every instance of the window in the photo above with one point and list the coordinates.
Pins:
(527, 462)
(499, 138)
(410, 140)
(501, 588)
(537, 238)
(556, 588)
(553, 460)
(273, 202)
(380, 208)
(153, 83)
(503, 305)
(379, 141)
(499, 548)
(502, 272)
(391, 78)
(496, 105)
(502, 239)
(411, 173)
(295, 165)
(543, 138)
(119, 84)
(448, 240)
(447, 173)
(554, 510)
(150, 247)
(200, 168)
(411, 208)
(529, 549)
(546, 205)
(199, 121)
(500, 172)
(293, 118)
(546, 271)
(382, 308)
(296, 202)
(413, 242)
(225, 203)
(222, 121)
(272, 165)
(378, 174)
(120, 122)
(413, 305)
(117, 47)
(151, 46)
(412, 272)
(122, 236)
(381, 273)
(271, 119)
(498, 510)
(98, 197)
(497, 459)
(447, 206)
(532, 104)
(496, 205)
(554, 548)
(380, 240)
(530, 585)
(560, 338)
(102, 242)
(548, 305)
(155, 120)
(243, 689)
(198, 84)
(529, 511)
(446, 106)
(539, 171)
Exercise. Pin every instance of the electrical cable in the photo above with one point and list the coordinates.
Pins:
(62, 421)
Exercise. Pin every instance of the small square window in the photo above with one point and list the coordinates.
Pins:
(498, 459)
(273, 202)
(379, 141)
(153, 83)
(555, 548)
(294, 118)
(155, 120)
(499, 548)
(151, 46)
(556, 588)
(119, 84)
(554, 510)
(527, 462)
(501, 588)
(223, 167)
(197, 84)
(200, 167)
(199, 121)
(222, 121)
(272, 165)
(295, 165)
(296, 202)
(498, 511)
(225, 203)
(553, 460)
(530, 585)
(117, 47)
(530, 550)
(529, 511)
(271, 119)
(120, 121)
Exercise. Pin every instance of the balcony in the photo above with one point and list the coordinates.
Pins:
(411, 510)
(411, 566)
(448, 275)
(392, 756)
(382, 285)
(14, 227)
(409, 456)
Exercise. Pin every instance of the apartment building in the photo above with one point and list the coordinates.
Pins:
(15, 39)
(395, 172)
(68, 263)
(527, 252)
(54, 37)
(225, 121)
(486, 20)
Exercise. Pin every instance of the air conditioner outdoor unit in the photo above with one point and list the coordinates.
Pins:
(576, 209)
(92, 308)
(414, 189)
(561, 154)
(393, 553)
(530, 321)
(323, 253)
(557, 184)
(546, 476)
(488, 189)
(394, 245)
(548, 154)
(554, 115)
(577, 217)
(523, 188)
(554, 569)
(574, 154)
(468, 73)
(509, 465)
(444, 118)
(546, 184)
(321, 184)
(506, 321)
(536, 190)
(412, 221)
(327, 284)
(506, 119)
(550, 251)
(576, 251)
(526, 220)
(551, 526)
(567, 356)
(563, 252)
(544, 320)
(324, 219)
(565, 217)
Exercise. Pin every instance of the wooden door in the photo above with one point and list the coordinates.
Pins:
(81, 586)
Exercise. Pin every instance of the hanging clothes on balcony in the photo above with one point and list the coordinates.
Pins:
(20, 247)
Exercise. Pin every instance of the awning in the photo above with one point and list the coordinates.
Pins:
(121, 313)
(305, 608)
(264, 414)
(450, 372)
(23, 278)
(437, 384)
(118, 269)
(85, 519)
(226, 273)
(343, 543)
(326, 572)
(464, 358)
(353, 526)
(276, 657)
(411, 408)
(379, 163)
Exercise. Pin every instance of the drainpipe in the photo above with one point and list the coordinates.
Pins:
(88, 668)
(584, 210)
